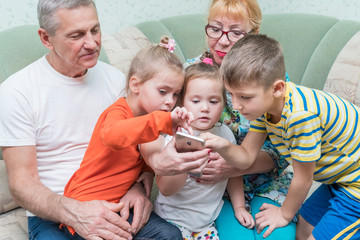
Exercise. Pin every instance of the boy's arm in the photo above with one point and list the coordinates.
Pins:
(241, 156)
(235, 188)
(276, 217)
(299, 188)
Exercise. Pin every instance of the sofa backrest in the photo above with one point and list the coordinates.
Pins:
(187, 30)
(311, 43)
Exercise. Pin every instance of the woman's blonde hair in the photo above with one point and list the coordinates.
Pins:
(150, 60)
(237, 10)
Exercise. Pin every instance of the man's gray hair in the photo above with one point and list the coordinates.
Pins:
(46, 10)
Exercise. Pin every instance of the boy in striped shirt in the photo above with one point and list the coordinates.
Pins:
(316, 131)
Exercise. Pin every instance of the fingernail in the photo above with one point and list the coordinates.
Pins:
(209, 161)
(197, 180)
(210, 150)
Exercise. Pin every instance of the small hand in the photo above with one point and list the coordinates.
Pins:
(147, 179)
(244, 217)
(183, 118)
(269, 215)
(136, 199)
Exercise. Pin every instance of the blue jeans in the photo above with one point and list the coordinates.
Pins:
(155, 229)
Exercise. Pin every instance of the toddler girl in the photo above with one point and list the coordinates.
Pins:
(192, 206)
(112, 162)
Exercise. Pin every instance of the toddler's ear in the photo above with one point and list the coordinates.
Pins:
(279, 88)
(134, 84)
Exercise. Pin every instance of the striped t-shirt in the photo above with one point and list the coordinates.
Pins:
(318, 126)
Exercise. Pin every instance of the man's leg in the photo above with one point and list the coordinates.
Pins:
(41, 229)
(157, 228)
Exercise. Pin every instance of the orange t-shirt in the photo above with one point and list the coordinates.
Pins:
(112, 162)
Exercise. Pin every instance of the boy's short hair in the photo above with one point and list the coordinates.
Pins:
(255, 58)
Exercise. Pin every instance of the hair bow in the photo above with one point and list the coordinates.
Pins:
(208, 61)
(170, 46)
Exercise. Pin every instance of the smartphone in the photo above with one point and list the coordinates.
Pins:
(187, 143)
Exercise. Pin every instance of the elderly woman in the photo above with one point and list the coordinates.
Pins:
(267, 180)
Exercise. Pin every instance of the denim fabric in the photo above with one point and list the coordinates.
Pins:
(156, 229)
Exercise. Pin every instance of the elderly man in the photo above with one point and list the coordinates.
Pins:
(47, 113)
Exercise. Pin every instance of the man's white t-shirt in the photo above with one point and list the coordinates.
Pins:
(57, 114)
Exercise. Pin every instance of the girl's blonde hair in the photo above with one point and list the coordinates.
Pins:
(150, 60)
(237, 10)
(202, 70)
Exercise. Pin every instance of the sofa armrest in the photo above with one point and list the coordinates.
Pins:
(6, 201)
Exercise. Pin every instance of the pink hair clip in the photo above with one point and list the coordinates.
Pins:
(208, 61)
(170, 46)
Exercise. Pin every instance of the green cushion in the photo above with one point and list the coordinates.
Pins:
(299, 35)
(187, 30)
(325, 54)
(19, 46)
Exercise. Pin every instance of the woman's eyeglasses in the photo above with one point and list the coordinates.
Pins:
(232, 35)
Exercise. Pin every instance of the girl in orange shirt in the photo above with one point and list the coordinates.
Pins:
(112, 162)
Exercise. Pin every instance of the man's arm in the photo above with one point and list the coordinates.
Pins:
(89, 219)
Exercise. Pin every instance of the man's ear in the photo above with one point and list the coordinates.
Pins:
(134, 84)
(45, 38)
(279, 88)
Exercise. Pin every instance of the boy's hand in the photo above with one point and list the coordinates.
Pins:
(244, 217)
(182, 117)
(216, 143)
(269, 215)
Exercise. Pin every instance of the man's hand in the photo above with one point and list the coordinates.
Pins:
(136, 199)
(269, 215)
(99, 220)
(169, 162)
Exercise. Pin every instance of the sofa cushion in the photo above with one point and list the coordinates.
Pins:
(6, 201)
(344, 76)
(13, 225)
(122, 46)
